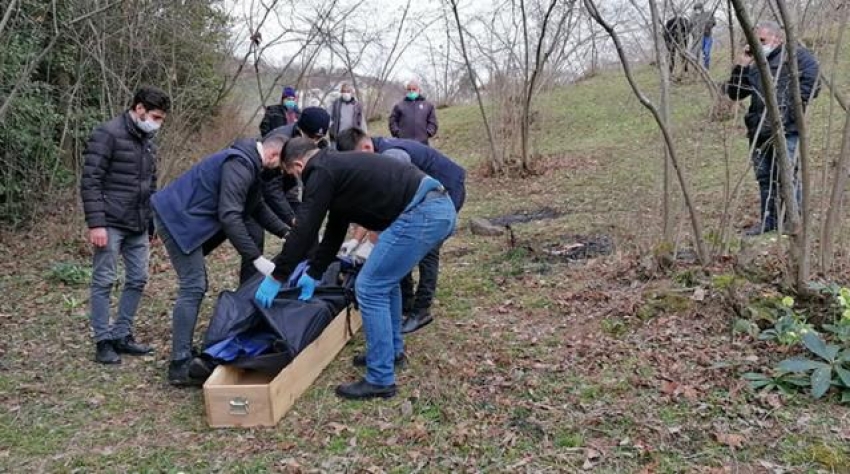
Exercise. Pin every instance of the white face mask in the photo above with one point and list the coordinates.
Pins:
(148, 126)
(346, 96)
(767, 49)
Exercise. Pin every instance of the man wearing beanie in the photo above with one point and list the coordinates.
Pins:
(285, 113)
(281, 191)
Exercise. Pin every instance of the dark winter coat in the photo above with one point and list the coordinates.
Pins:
(275, 117)
(336, 107)
(431, 162)
(746, 82)
(119, 176)
(352, 187)
(218, 195)
(414, 120)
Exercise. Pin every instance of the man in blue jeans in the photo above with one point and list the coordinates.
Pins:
(218, 199)
(416, 304)
(412, 211)
(746, 81)
(119, 177)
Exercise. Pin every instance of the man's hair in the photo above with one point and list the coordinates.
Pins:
(296, 148)
(772, 27)
(412, 82)
(275, 141)
(152, 98)
(345, 85)
(348, 139)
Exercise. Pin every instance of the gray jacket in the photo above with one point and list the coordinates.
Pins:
(414, 120)
(336, 107)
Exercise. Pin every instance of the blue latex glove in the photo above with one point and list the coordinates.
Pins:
(307, 285)
(267, 292)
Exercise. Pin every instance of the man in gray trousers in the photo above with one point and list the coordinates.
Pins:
(119, 177)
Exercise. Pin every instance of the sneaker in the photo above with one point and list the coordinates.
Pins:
(362, 390)
(416, 321)
(128, 345)
(400, 360)
(178, 374)
(201, 368)
(105, 353)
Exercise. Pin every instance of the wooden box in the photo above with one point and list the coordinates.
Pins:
(238, 398)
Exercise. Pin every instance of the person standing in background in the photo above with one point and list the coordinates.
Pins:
(414, 118)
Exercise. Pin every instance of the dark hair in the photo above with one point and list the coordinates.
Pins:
(296, 148)
(152, 98)
(348, 139)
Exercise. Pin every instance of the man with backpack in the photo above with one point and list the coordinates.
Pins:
(414, 213)
(416, 305)
(216, 200)
(119, 177)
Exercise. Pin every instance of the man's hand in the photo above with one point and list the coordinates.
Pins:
(267, 292)
(349, 246)
(745, 58)
(307, 285)
(264, 266)
(98, 236)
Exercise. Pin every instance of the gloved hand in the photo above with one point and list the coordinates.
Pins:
(349, 246)
(264, 266)
(307, 285)
(267, 292)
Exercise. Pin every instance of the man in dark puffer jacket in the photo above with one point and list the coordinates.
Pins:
(119, 177)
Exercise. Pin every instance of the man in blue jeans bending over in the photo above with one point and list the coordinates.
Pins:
(412, 210)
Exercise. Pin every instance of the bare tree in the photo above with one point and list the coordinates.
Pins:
(668, 139)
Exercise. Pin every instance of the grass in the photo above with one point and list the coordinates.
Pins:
(530, 366)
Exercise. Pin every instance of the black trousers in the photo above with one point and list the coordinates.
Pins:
(423, 296)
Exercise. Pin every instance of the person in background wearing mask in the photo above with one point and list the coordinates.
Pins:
(216, 200)
(285, 113)
(703, 23)
(346, 112)
(282, 191)
(746, 82)
(414, 117)
(119, 177)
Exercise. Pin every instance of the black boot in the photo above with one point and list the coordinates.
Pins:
(362, 390)
(400, 361)
(128, 345)
(106, 354)
(416, 321)
(178, 374)
(201, 367)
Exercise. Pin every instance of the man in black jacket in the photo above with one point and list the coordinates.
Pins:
(414, 213)
(119, 177)
(212, 202)
(746, 82)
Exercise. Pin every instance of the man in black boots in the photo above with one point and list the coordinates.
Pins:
(416, 305)
(216, 200)
(119, 177)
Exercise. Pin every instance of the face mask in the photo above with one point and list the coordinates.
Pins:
(767, 49)
(346, 96)
(412, 95)
(289, 104)
(147, 126)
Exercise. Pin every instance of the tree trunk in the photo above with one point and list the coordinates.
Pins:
(696, 225)
(664, 74)
(796, 262)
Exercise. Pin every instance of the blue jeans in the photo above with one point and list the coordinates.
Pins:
(134, 248)
(767, 175)
(427, 221)
(707, 42)
(192, 277)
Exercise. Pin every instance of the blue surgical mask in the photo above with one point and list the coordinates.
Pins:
(289, 104)
(412, 95)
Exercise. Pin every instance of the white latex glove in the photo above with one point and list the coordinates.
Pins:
(349, 246)
(264, 266)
